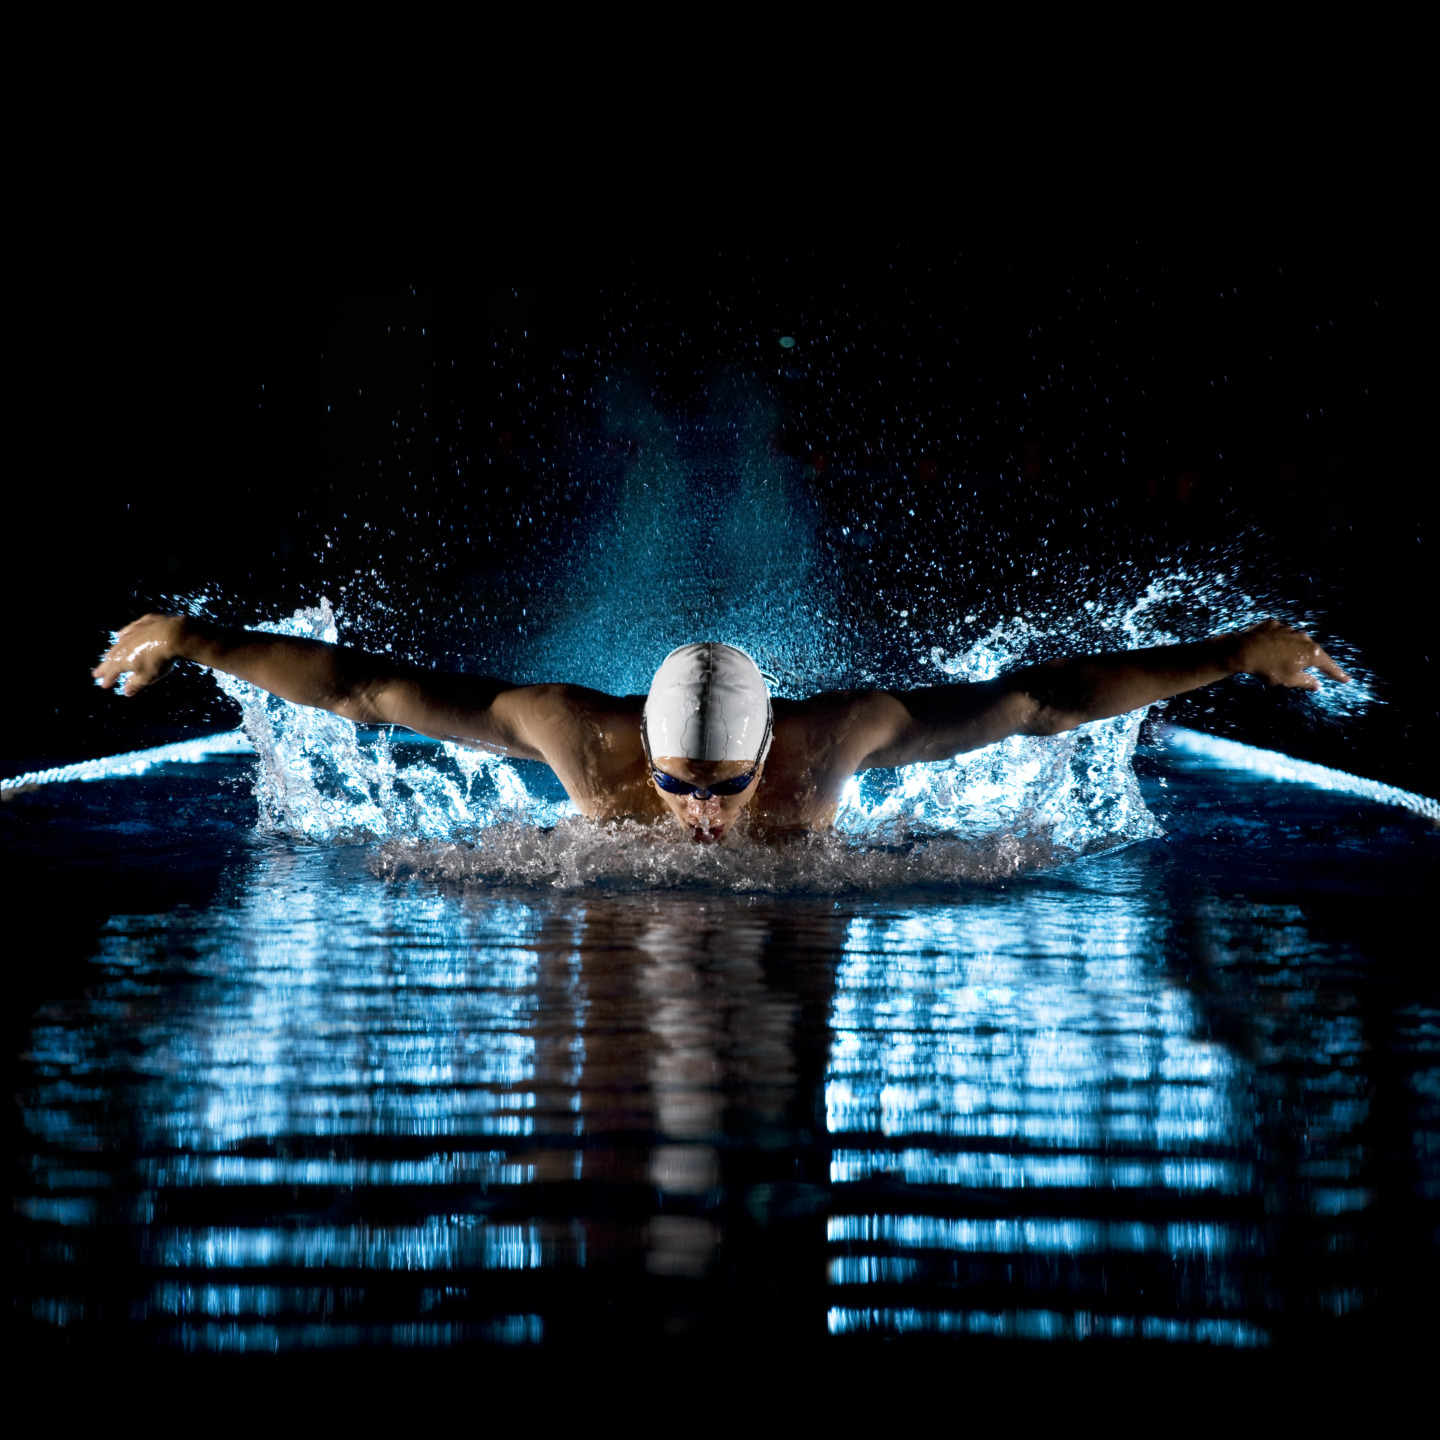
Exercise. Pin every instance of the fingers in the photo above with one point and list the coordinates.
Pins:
(112, 665)
(107, 677)
(1320, 661)
(1279, 660)
(118, 660)
(140, 656)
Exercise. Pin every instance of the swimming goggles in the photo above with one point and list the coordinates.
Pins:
(740, 783)
(672, 786)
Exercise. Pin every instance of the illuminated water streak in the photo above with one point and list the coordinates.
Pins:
(1040, 1235)
(1276, 766)
(136, 762)
(1043, 1325)
(998, 1069)
(390, 1115)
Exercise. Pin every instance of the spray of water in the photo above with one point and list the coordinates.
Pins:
(466, 816)
(708, 531)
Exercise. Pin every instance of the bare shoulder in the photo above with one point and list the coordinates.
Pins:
(557, 699)
(537, 710)
(832, 706)
(837, 726)
(849, 730)
(820, 742)
(590, 739)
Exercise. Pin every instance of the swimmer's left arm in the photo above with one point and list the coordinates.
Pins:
(907, 727)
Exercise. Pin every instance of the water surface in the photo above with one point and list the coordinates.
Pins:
(276, 1094)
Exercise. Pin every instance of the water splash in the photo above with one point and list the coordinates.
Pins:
(466, 816)
(706, 530)
(708, 533)
(462, 814)
(576, 854)
(1064, 795)
(322, 777)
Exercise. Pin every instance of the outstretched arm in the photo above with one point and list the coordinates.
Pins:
(946, 720)
(368, 689)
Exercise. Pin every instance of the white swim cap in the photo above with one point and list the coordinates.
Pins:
(708, 702)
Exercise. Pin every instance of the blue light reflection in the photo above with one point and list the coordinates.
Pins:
(331, 1109)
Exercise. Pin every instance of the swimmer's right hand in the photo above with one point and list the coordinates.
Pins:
(145, 650)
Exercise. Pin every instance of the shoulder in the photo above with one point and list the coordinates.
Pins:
(557, 719)
(834, 705)
(574, 700)
(848, 721)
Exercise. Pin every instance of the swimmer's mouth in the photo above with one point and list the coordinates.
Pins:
(701, 836)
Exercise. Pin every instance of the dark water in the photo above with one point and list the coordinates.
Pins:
(1184, 1094)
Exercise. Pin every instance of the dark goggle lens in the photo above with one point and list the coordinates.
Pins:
(705, 792)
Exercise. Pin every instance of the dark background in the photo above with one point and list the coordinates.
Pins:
(222, 413)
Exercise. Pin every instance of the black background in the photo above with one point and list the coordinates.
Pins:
(1231, 368)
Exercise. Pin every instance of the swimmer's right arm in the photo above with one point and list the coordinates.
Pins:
(368, 689)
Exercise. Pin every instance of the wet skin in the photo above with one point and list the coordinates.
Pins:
(592, 740)
(707, 820)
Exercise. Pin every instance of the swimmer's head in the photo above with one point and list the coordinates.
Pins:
(708, 702)
(706, 728)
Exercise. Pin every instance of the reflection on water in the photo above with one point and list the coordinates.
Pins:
(1116, 1100)
(1032, 1048)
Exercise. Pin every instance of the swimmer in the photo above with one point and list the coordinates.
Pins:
(708, 746)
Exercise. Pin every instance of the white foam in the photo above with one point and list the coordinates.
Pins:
(577, 854)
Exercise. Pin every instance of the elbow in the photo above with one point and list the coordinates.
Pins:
(1042, 707)
(1048, 720)
(360, 704)
(355, 712)
(1031, 707)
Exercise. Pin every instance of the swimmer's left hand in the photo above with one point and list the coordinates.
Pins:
(1279, 655)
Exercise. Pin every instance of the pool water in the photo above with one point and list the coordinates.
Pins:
(272, 1094)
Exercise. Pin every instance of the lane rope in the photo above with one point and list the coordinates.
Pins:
(1231, 754)
(1276, 766)
(136, 762)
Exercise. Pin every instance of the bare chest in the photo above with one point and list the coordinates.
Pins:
(608, 777)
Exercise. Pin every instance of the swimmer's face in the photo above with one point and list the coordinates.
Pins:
(706, 820)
